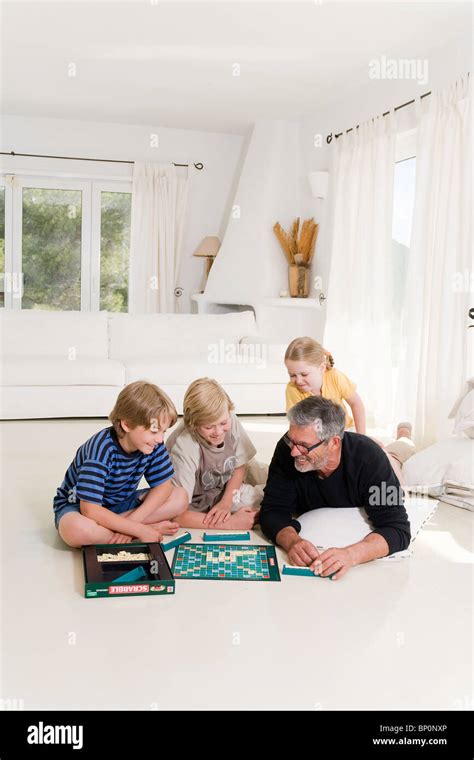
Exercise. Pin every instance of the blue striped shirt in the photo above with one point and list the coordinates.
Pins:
(103, 473)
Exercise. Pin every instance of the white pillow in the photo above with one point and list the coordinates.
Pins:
(465, 416)
(463, 410)
(451, 459)
(334, 526)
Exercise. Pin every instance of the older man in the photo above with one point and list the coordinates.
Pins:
(317, 464)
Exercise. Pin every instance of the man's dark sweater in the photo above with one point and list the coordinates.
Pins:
(363, 466)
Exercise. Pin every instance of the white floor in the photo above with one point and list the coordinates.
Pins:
(388, 636)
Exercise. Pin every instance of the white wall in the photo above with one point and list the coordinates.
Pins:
(251, 269)
(251, 264)
(273, 184)
(212, 188)
(371, 98)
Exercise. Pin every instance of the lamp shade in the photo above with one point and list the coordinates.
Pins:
(208, 247)
(319, 183)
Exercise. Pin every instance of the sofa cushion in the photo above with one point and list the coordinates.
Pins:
(153, 335)
(36, 370)
(171, 371)
(63, 334)
(451, 459)
(275, 352)
(465, 416)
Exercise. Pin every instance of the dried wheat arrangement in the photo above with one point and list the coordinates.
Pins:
(298, 245)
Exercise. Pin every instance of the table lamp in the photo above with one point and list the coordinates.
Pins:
(208, 248)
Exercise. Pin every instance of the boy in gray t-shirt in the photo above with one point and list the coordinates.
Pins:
(212, 456)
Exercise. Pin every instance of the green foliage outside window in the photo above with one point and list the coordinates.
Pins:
(51, 249)
(114, 250)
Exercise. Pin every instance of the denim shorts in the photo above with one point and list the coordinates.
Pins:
(132, 502)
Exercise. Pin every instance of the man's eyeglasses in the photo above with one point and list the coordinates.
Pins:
(302, 448)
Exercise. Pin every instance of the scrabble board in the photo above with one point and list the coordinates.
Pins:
(226, 562)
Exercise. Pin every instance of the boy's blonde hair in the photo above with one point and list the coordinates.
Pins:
(142, 403)
(205, 401)
(308, 350)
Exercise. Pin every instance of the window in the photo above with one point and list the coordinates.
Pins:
(403, 204)
(403, 201)
(70, 244)
(2, 246)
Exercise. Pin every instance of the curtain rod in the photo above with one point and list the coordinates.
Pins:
(397, 108)
(198, 166)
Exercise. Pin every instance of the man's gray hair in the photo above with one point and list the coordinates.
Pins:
(327, 417)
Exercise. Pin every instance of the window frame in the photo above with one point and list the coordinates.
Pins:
(91, 190)
(405, 150)
(405, 145)
(6, 181)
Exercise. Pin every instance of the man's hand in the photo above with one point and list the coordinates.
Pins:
(302, 553)
(218, 515)
(330, 561)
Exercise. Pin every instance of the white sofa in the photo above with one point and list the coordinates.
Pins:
(73, 364)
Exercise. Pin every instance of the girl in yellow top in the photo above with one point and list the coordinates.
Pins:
(312, 373)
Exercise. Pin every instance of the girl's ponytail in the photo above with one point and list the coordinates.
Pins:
(329, 359)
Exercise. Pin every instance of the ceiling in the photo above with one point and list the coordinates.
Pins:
(174, 63)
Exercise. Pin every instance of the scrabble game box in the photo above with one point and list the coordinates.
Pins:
(126, 570)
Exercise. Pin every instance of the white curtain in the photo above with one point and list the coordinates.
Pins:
(159, 198)
(359, 295)
(438, 350)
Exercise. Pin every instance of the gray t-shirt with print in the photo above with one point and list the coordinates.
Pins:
(203, 470)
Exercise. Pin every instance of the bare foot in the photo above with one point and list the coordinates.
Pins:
(120, 538)
(403, 430)
(166, 527)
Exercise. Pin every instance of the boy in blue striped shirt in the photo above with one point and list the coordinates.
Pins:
(98, 501)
